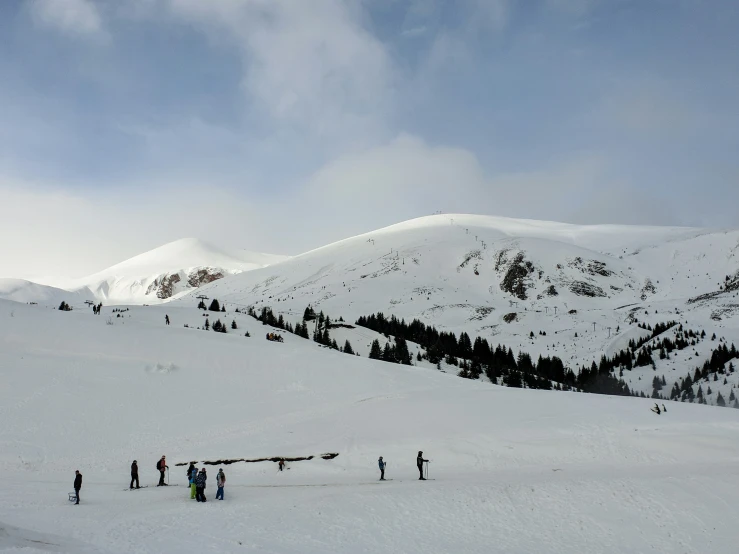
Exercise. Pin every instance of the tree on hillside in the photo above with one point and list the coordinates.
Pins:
(309, 314)
(387, 353)
(233, 325)
(215, 306)
(207, 324)
(348, 347)
(720, 400)
(375, 350)
(402, 355)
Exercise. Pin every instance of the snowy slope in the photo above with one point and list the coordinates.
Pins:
(161, 273)
(577, 284)
(20, 290)
(515, 471)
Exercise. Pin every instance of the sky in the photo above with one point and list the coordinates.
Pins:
(282, 125)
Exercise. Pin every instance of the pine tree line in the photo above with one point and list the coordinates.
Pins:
(321, 333)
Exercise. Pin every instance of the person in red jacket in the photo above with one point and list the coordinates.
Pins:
(162, 467)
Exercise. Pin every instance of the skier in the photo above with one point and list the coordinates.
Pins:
(220, 481)
(382, 465)
(134, 475)
(419, 462)
(166, 319)
(77, 484)
(282, 464)
(200, 486)
(162, 467)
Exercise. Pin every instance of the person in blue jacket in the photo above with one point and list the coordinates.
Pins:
(382, 465)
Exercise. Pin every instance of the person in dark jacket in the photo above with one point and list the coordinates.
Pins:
(166, 319)
(134, 475)
(382, 465)
(200, 485)
(77, 484)
(419, 462)
(162, 467)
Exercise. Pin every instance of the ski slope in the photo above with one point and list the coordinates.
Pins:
(514, 470)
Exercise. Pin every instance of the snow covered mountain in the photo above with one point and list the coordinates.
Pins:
(470, 272)
(544, 288)
(20, 290)
(154, 276)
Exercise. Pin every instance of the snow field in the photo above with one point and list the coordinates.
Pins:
(515, 470)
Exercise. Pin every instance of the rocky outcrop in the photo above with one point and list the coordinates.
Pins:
(517, 278)
(203, 276)
(167, 285)
(581, 288)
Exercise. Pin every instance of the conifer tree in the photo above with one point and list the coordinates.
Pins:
(375, 350)
(207, 324)
(233, 325)
(720, 400)
(348, 347)
(215, 306)
(387, 353)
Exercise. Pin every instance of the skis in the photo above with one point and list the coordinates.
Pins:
(136, 488)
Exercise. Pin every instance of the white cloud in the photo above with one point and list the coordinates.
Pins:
(72, 17)
(308, 64)
(355, 193)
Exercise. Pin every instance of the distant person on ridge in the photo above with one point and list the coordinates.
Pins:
(162, 467)
(419, 462)
(221, 482)
(166, 319)
(77, 485)
(382, 465)
(134, 475)
(282, 464)
(200, 486)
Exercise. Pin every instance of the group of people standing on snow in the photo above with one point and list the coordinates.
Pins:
(420, 460)
(198, 479)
